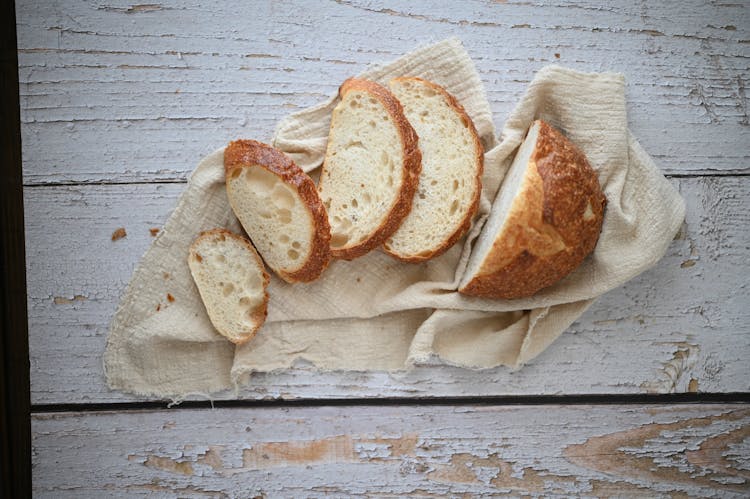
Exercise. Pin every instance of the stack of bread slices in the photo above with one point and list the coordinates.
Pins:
(402, 172)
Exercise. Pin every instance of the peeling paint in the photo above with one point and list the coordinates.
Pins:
(61, 300)
(617, 453)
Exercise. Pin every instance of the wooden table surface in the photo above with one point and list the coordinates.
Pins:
(119, 101)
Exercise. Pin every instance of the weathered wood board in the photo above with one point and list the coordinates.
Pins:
(117, 92)
(415, 451)
(682, 326)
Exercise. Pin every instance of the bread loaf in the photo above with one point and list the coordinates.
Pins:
(371, 168)
(232, 282)
(544, 221)
(278, 205)
(451, 179)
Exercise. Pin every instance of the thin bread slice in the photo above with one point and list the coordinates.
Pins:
(545, 220)
(278, 205)
(232, 282)
(371, 168)
(451, 180)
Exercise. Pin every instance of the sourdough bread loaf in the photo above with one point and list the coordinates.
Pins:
(371, 168)
(451, 179)
(232, 283)
(279, 208)
(544, 221)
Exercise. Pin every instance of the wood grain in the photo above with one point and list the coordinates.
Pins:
(680, 327)
(406, 451)
(116, 92)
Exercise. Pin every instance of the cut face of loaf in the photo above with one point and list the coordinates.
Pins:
(231, 281)
(279, 207)
(451, 180)
(545, 220)
(371, 168)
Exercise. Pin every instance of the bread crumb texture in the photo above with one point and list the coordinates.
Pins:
(232, 283)
(119, 234)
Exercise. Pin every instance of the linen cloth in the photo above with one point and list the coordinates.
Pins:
(376, 313)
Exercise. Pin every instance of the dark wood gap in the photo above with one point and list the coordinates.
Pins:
(541, 400)
(15, 416)
(731, 173)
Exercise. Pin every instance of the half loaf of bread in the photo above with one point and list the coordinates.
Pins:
(545, 220)
(451, 180)
(371, 168)
(278, 205)
(232, 282)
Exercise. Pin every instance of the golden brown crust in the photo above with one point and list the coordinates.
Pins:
(553, 225)
(261, 312)
(246, 153)
(479, 159)
(410, 172)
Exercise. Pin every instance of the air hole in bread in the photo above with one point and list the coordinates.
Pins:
(282, 196)
(372, 101)
(285, 216)
(344, 206)
(235, 173)
(355, 143)
(366, 198)
(433, 182)
(227, 289)
(221, 258)
(424, 113)
(339, 240)
(454, 207)
(354, 104)
(422, 195)
(372, 124)
(198, 258)
(327, 203)
(589, 213)
(284, 238)
(222, 237)
(355, 204)
(390, 180)
(455, 185)
(260, 179)
(245, 301)
(384, 158)
(293, 254)
(296, 245)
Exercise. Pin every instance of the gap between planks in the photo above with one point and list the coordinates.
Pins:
(533, 400)
(728, 173)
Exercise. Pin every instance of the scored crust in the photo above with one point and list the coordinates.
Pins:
(246, 153)
(553, 224)
(412, 159)
(261, 312)
(465, 224)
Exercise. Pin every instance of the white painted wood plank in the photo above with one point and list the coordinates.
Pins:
(682, 326)
(112, 91)
(415, 451)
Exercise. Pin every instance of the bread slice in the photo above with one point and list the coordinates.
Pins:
(278, 205)
(451, 180)
(545, 220)
(371, 168)
(232, 282)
